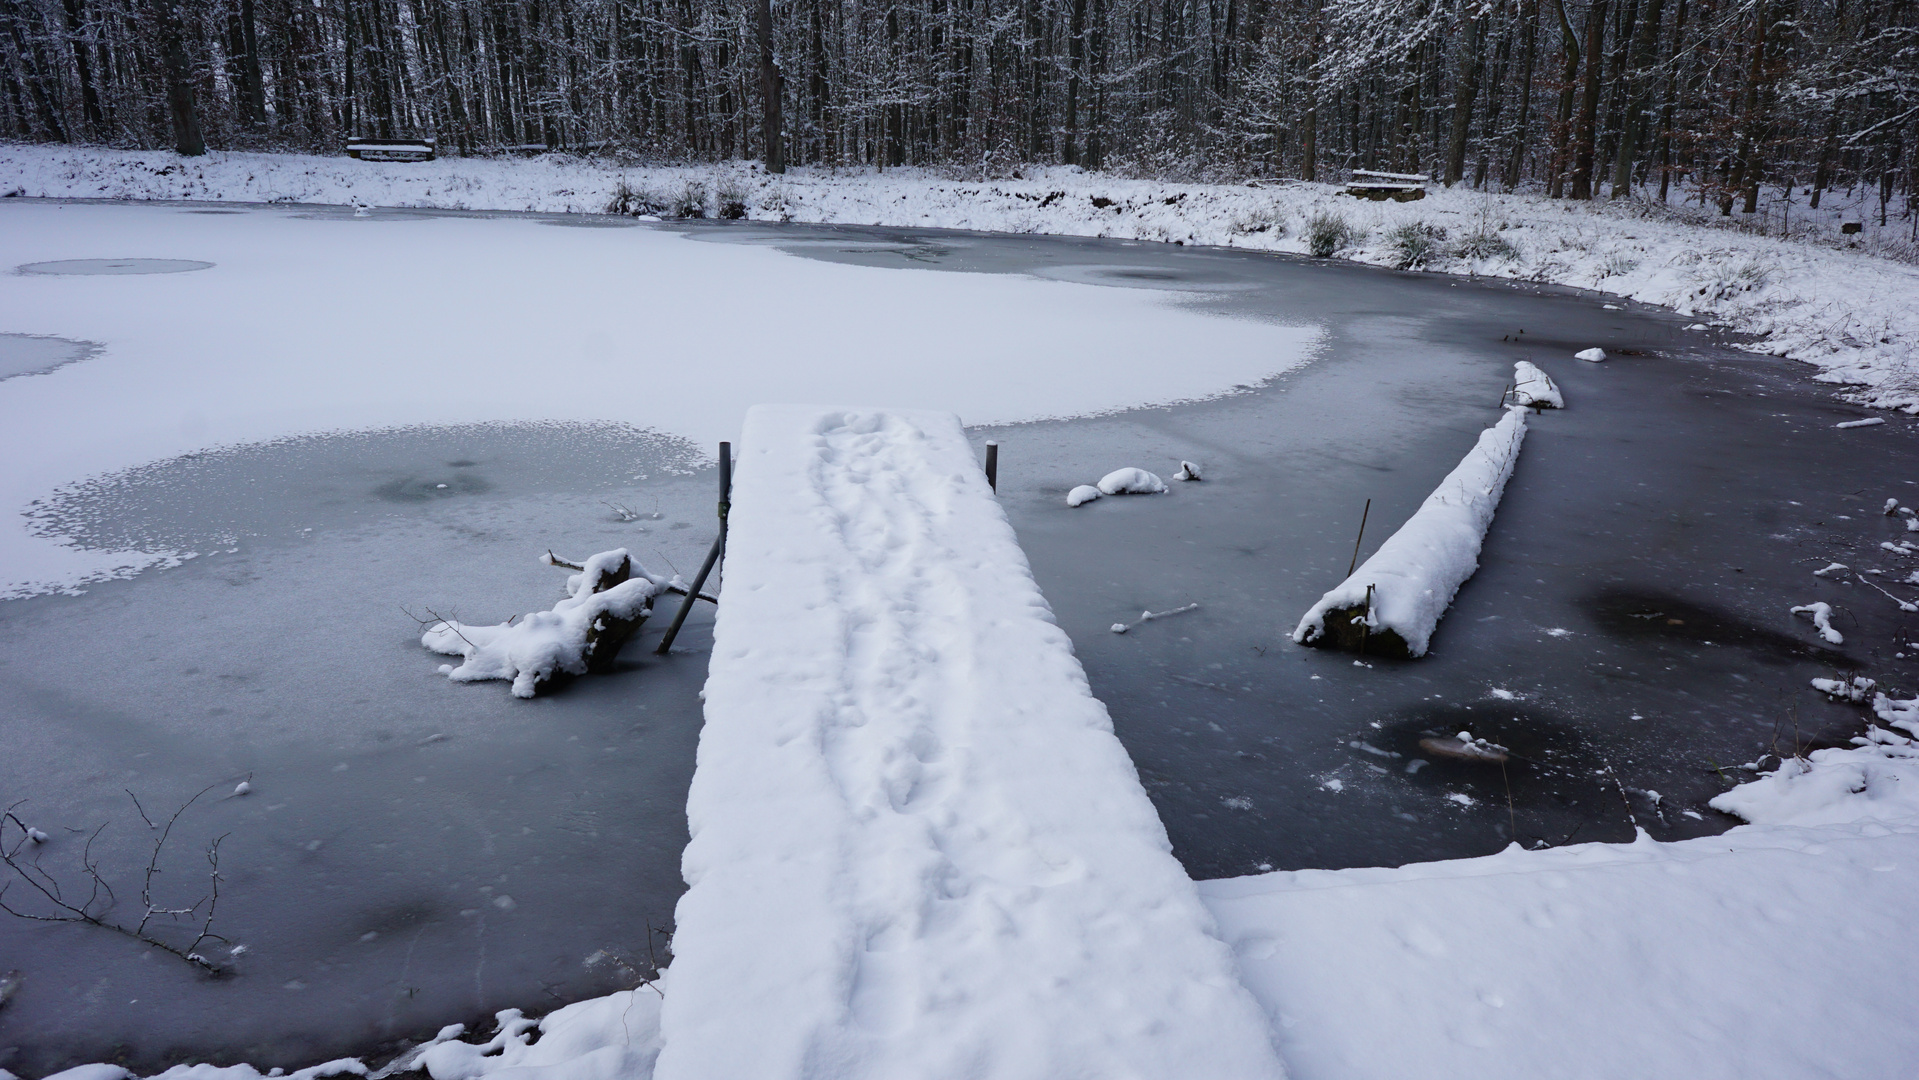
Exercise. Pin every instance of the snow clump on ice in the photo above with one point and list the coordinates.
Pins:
(1131, 482)
(1534, 387)
(1188, 471)
(1594, 355)
(1821, 613)
(1877, 778)
(1082, 495)
(545, 644)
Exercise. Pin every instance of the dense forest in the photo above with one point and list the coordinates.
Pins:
(1705, 99)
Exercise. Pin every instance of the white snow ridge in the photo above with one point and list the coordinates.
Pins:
(1534, 387)
(918, 850)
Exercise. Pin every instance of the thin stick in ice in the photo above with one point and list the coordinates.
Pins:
(1417, 571)
(1148, 616)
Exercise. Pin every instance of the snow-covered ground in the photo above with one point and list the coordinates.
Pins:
(307, 324)
(1816, 297)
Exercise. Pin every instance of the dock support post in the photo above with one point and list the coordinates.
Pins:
(712, 554)
(992, 465)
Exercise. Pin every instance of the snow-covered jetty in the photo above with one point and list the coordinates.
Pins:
(917, 847)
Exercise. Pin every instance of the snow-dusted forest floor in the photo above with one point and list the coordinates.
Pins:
(1844, 303)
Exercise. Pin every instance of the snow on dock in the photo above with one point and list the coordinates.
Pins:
(917, 847)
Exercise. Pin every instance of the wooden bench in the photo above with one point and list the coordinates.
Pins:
(392, 149)
(1380, 186)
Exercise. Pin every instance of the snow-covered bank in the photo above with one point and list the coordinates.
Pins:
(1393, 602)
(918, 848)
(1850, 313)
(1763, 954)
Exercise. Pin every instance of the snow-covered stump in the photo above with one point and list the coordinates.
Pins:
(918, 850)
(1390, 605)
(1534, 388)
(606, 604)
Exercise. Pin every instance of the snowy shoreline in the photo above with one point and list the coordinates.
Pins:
(1849, 313)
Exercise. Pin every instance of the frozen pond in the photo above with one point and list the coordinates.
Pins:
(415, 853)
(29, 354)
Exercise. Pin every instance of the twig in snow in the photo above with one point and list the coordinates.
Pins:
(1623, 800)
(1148, 616)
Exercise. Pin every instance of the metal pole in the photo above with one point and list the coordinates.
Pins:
(712, 554)
(992, 465)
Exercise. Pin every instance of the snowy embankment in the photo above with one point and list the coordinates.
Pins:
(1812, 299)
(1392, 603)
(918, 849)
(1763, 954)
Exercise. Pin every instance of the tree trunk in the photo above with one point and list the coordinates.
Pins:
(1583, 133)
(772, 90)
(1465, 92)
(89, 92)
(1645, 42)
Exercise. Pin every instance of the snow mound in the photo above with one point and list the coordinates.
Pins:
(1593, 355)
(616, 1037)
(1396, 598)
(1875, 779)
(1082, 495)
(918, 850)
(1131, 482)
(605, 604)
(1188, 471)
(1534, 387)
(1870, 421)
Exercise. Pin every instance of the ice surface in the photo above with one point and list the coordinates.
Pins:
(25, 354)
(450, 328)
(114, 267)
(918, 849)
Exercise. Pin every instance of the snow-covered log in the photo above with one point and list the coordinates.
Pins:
(1392, 603)
(1535, 388)
(606, 603)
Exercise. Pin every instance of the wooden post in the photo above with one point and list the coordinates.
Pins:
(712, 554)
(992, 465)
(1356, 540)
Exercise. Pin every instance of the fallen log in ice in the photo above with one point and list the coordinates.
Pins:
(1391, 604)
(606, 603)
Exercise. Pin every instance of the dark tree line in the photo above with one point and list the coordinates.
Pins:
(1585, 97)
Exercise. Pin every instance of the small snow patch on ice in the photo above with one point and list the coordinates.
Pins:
(1830, 568)
(1461, 798)
(1187, 471)
(1503, 694)
(1238, 802)
(1333, 783)
(1558, 632)
(1821, 613)
(1082, 495)
(1870, 421)
(1593, 355)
